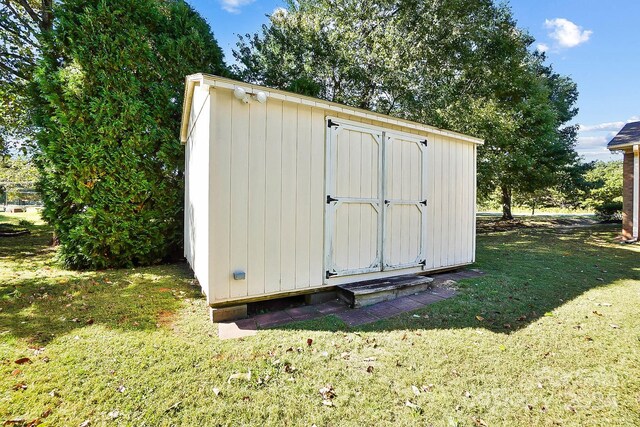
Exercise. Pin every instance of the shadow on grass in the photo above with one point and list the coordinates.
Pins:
(529, 273)
(40, 300)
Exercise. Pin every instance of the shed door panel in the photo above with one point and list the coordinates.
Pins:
(354, 221)
(405, 201)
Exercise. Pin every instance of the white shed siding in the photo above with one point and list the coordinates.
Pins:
(260, 175)
(196, 208)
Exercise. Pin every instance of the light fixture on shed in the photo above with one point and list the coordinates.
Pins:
(241, 94)
(261, 97)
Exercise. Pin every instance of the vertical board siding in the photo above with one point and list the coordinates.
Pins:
(316, 224)
(266, 199)
(273, 191)
(257, 199)
(220, 184)
(289, 194)
(303, 197)
(240, 125)
(196, 201)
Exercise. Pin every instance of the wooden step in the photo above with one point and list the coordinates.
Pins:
(361, 294)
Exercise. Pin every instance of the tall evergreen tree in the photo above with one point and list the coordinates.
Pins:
(111, 82)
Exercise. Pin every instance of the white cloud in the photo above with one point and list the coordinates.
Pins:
(608, 126)
(593, 139)
(233, 6)
(542, 47)
(566, 33)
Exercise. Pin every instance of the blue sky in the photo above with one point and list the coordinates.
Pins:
(595, 42)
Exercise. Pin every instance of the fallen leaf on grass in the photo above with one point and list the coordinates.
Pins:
(85, 423)
(16, 372)
(596, 313)
(480, 318)
(240, 376)
(369, 359)
(415, 390)
(121, 389)
(603, 304)
(427, 387)
(588, 339)
(309, 342)
(479, 422)
(413, 406)
(216, 391)
(23, 360)
(614, 326)
(113, 414)
(19, 386)
(327, 393)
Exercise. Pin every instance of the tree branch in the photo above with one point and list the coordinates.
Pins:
(13, 71)
(16, 56)
(32, 13)
(19, 16)
(21, 37)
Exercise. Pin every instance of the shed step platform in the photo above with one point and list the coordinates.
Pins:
(361, 294)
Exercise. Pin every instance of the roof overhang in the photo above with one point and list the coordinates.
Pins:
(222, 82)
(623, 147)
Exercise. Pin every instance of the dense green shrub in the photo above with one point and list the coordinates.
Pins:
(112, 80)
(604, 196)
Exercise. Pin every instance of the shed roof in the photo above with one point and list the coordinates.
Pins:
(628, 135)
(217, 81)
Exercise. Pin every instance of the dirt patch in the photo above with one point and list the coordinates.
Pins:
(166, 318)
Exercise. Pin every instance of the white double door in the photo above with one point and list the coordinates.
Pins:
(376, 199)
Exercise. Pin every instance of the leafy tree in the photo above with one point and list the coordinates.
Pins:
(18, 178)
(604, 196)
(459, 64)
(21, 23)
(111, 82)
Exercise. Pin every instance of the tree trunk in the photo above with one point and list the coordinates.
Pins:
(506, 203)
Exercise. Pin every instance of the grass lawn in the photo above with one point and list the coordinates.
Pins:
(549, 336)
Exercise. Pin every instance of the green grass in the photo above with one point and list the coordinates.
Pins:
(139, 342)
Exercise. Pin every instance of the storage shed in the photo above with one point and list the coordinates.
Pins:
(288, 194)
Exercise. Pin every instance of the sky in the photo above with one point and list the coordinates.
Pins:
(595, 42)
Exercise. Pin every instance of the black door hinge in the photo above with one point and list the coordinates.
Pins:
(425, 142)
(386, 202)
(423, 263)
(331, 199)
(331, 123)
(330, 273)
(424, 202)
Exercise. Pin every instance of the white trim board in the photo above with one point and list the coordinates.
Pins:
(222, 82)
